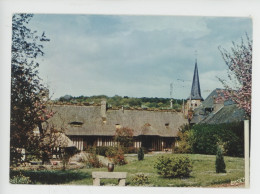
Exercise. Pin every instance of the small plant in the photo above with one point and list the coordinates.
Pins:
(140, 179)
(220, 163)
(173, 166)
(20, 179)
(140, 154)
(111, 152)
(119, 158)
(116, 155)
(93, 161)
(102, 150)
(238, 181)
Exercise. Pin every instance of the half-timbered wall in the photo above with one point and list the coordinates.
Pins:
(106, 141)
(153, 143)
(78, 142)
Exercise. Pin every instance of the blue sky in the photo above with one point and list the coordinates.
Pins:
(137, 56)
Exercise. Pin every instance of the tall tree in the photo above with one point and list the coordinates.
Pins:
(28, 95)
(239, 63)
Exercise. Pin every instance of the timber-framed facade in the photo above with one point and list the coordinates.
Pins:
(88, 126)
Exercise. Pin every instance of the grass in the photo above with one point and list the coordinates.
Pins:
(202, 175)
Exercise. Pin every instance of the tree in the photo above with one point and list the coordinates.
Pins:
(28, 95)
(124, 136)
(239, 63)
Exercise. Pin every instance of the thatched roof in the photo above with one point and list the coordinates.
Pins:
(87, 121)
(58, 140)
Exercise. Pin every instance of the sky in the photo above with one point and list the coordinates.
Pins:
(134, 55)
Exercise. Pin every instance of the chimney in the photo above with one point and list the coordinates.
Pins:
(103, 108)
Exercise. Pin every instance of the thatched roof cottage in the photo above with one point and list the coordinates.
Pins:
(96, 125)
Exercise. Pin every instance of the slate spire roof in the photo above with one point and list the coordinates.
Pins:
(195, 89)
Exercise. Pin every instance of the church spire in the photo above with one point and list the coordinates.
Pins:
(195, 89)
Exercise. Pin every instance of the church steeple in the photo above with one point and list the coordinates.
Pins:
(194, 100)
(195, 89)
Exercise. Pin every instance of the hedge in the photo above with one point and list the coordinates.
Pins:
(204, 138)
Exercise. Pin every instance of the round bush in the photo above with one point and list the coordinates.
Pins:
(173, 166)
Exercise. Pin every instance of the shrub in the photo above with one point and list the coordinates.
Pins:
(111, 152)
(173, 166)
(220, 163)
(140, 154)
(140, 179)
(20, 179)
(184, 143)
(119, 158)
(205, 138)
(92, 160)
(116, 155)
(102, 150)
(124, 136)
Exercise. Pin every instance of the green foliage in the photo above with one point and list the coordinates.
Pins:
(140, 179)
(173, 166)
(119, 158)
(184, 140)
(220, 163)
(92, 160)
(118, 101)
(20, 179)
(205, 138)
(140, 154)
(124, 136)
(111, 152)
(50, 176)
(203, 173)
(28, 95)
(102, 150)
(15, 157)
(116, 155)
(184, 144)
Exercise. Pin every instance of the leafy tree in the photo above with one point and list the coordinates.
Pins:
(124, 136)
(183, 140)
(239, 63)
(28, 95)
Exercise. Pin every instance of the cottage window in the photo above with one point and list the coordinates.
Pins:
(167, 124)
(118, 126)
(76, 124)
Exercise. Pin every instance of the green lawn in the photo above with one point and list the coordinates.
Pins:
(203, 173)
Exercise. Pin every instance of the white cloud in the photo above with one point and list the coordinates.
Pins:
(135, 56)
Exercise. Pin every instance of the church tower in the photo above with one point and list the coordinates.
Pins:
(195, 98)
